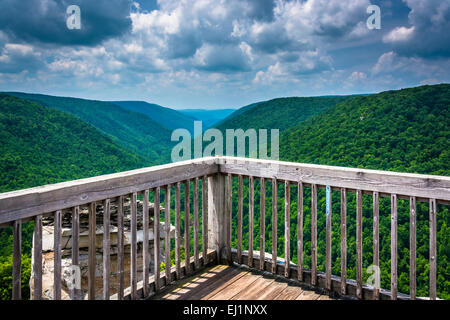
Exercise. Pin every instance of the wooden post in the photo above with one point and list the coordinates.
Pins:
(17, 261)
(37, 255)
(177, 231)
(262, 225)
(92, 249)
(433, 252)
(287, 228)
(156, 240)
(314, 235)
(204, 219)
(394, 247)
(343, 241)
(359, 292)
(133, 267)
(120, 249)
(106, 249)
(229, 213)
(240, 208)
(376, 239)
(167, 237)
(75, 292)
(300, 231)
(187, 227)
(57, 236)
(274, 224)
(145, 244)
(217, 217)
(328, 239)
(251, 201)
(412, 247)
(196, 224)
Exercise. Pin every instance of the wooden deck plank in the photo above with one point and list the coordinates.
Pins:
(274, 290)
(255, 290)
(234, 288)
(308, 295)
(289, 293)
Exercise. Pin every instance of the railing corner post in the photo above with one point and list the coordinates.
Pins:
(217, 217)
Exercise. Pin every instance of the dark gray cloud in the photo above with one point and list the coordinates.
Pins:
(45, 21)
(261, 10)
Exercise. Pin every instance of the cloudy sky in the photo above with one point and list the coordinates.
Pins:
(221, 53)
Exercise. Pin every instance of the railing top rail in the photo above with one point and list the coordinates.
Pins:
(31, 202)
(385, 182)
(27, 203)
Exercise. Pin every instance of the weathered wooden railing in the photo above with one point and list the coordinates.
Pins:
(216, 175)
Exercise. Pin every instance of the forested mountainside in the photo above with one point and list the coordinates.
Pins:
(169, 118)
(131, 130)
(282, 113)
(39, 146)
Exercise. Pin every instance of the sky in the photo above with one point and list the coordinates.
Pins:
(221, 53)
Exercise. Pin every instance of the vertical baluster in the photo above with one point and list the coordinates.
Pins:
(412, 247)
(167, 238)
(91, 254)
(157, 239)
(57, 236)
(343, 241)
(300, 231)
(75, 292)
(262, 225)
(274, 224)
(196, 224)
(177, 231)
(287, 228)
(313, 234)
(187, 232)
(359, 293)
(17, 260)
(133, 267)
(230, 216)
(145, 243)
(106, 248)
(240, 206)
(394, 247)
(37, 256)
(433, 252)
(204, 220)
(328, 238)
(251, 201)
(120, 249)
(376, 240)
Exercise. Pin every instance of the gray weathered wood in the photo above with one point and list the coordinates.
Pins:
(187, 232)
(376, 238)
(37, 258)
(156, 242)
(41, 200)
(91, 253)
(120, 249)
(145, 243)
(178, 230)
(433, 251)
(167, 236)
(359, 280)
(343, 241)
(240, 217)
(57, 239)
(394, 247)
(412, 248)
(229, 213)
(251, 207)
(106, 248)
(385, 182)
(274, 224)
(328, 242)
(287, 228)
(196, 225)
(262, 225)
(314, 235)
(300, 231)
(217, 217)
(75, 292)
(133, 262)
(204, 219)
(17, 260)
